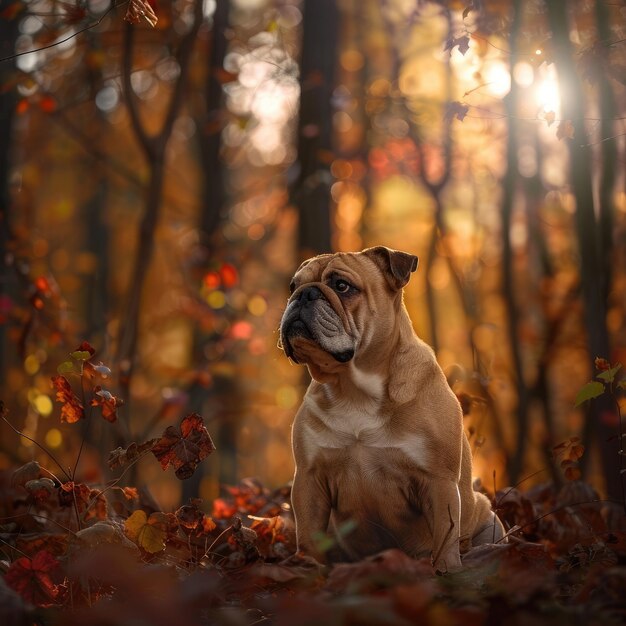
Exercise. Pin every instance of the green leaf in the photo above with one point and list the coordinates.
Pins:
(80, 355)
(67, 367)
(608, 376)
(589, 391)
(622, 385)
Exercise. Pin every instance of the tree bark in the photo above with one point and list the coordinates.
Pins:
(154, 148)
(210, 122)
(213, 188)
(509, 193)
(311, 191)
(600, 413)
(8, 35)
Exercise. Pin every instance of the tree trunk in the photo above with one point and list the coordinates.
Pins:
(600, 412)
(154, 149)
(210, 125)
(510, 190)
(311, 190)
(8, 36)
(213, 189)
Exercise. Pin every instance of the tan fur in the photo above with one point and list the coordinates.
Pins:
(379, 439)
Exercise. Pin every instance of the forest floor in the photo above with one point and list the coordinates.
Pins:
(564, 563)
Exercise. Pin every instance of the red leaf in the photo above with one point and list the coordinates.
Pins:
(186, 449)
(107, 402)
(32, 578)
(602, 364)
(12, 10)
(86, 347)
(47, 104)
(229, 275)
(74, 13)
(138, 10)
(72, 410)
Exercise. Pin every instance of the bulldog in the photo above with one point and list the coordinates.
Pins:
(382, 460)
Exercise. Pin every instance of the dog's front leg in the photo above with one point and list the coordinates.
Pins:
(310, 499)
(444, 519)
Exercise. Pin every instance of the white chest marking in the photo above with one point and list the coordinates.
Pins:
(347, 426)
(371, 385)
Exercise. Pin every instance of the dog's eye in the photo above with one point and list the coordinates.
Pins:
(292, 286)
(342, 286)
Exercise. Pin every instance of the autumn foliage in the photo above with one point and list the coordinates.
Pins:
(103, 553)
(485, 136)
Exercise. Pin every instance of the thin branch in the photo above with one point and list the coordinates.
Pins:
(60, 41)
(42, 448)
(146, 142)
(183, 57)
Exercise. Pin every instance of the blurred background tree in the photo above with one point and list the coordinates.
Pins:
(162, 177)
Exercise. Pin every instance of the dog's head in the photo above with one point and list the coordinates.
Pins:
(343, 304)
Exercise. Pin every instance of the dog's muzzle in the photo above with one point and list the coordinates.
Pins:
(310, 315)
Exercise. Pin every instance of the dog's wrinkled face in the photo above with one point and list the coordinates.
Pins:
(333, 300)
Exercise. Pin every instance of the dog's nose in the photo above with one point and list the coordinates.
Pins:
(309, 294)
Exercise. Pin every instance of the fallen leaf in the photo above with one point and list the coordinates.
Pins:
(103, 532)
(378, 570)
(149, 533)
(32, 578)
(40, 489)
(22, 475)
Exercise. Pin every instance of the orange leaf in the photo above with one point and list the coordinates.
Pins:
(550, 117)
(565, 130)
(208, 524)
(107, 402)
(72, 410)
(22, 106)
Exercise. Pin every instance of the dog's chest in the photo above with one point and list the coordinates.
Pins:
(360, 438)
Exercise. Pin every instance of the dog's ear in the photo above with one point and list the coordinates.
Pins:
(396, 266)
